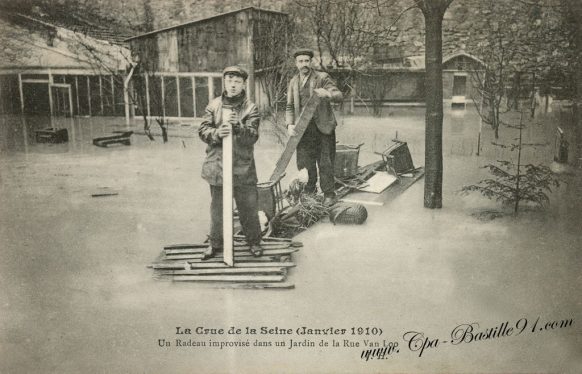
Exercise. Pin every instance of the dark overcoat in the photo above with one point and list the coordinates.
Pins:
(324, 117)
(246, 135)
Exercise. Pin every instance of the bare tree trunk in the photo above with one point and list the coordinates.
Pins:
(518, 175)
(575, 11)
(496, 118)
(433, 182)
(533, 96)
(163, 123)
(516, 90)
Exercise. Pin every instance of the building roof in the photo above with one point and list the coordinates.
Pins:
(418, 62)
(29, 43)
(464, 54)
(204, 20)
(72, 18)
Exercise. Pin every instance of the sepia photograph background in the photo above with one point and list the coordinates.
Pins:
(100, 170)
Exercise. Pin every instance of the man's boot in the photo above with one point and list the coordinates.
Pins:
(209, 252)
(256, 249)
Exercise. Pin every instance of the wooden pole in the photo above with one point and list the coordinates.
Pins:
(77, 94)
(50, 89)
(210, 88)
(21, 91)
(126, 94)
(147, 92)
(193, 95)
(480, 126)
(178, 100)
(101, 93)
(227, 187)
(89, 98)
(70, 102)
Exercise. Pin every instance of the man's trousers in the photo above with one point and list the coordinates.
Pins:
(247, 203)
(317, 151)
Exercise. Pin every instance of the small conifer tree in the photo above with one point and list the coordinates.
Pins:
(513, 182)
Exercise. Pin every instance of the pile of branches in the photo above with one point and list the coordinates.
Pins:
(303, 211)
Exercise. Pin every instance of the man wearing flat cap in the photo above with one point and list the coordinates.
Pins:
(316, 150)
(244, 120)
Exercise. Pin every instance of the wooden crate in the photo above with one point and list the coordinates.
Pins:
(271, 199)
(346, 160)
(52, 135)
(398, 158)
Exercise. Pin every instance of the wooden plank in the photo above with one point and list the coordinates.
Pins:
(242, 259)
(266, 252)
(123, 137)
(266, 242)
(241, 248)
(362, 201)
(267, 239)
(237, 246)
(227, 190)
(281, 285)
(219, 265)
(248, 285)
(389, 194)
(301, 124)
(379, 182)
(186, 246)
(227, 270)
(398, 188)
(103, 194)
(173, 265)
(230, 278)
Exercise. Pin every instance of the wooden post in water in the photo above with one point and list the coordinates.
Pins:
(227, 191)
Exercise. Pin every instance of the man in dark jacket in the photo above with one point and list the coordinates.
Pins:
(316, 150)
(244, 120)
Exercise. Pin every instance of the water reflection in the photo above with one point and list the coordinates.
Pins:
(460, 133)
(18, 134)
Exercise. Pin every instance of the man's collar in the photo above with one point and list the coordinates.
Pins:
(236, 100)
(304, 78)
(307, 75)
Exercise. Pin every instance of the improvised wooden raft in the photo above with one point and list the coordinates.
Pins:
(183, 263)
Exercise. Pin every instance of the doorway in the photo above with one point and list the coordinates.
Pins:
(459, 90)
(36, 98)
(61, 100)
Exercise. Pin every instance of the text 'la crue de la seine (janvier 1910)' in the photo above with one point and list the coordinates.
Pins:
(369, 341)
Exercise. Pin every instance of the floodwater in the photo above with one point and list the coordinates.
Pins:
(76, 296)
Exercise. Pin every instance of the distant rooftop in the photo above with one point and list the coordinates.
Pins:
(204, 20)
(87, 24)
(29, 43)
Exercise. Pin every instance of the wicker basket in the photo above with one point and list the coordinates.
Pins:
(349, 214)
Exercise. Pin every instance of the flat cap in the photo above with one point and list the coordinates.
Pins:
(303, 52)
(235, 70)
